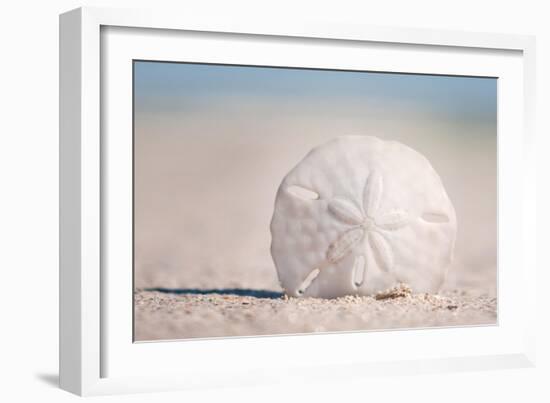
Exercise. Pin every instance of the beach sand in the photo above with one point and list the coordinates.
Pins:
(166, 314)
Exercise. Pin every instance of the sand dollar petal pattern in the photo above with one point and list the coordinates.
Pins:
(345, 211)
(372, 193)
(381, 250)
(369, 230)
(392, 220)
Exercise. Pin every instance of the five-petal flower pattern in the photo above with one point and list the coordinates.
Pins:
(367, 226)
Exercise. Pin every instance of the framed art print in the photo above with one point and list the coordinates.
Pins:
(312, 197)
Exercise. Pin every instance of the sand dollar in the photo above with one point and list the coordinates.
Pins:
(359, 214)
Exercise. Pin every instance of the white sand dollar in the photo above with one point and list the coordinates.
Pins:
(358, 215)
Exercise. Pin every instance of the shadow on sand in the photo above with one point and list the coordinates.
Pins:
(244, 292)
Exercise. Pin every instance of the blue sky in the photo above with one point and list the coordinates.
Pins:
(162, 88)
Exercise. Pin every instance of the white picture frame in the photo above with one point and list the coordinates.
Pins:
(96, 354)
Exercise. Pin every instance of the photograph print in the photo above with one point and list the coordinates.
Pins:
(279, 200)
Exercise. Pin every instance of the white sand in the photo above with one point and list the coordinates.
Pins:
(166, 315)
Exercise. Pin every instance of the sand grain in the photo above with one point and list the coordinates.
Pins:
(168, 315)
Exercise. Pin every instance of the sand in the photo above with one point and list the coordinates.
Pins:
(177, 314)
